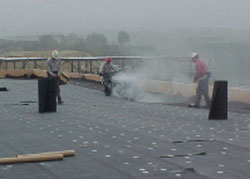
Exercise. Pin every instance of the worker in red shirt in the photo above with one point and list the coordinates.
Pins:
(201, 77)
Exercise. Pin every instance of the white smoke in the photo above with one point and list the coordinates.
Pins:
(132, 83)
(131, 86)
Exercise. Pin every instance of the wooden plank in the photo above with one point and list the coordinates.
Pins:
(92, 77)
(188, 90)
(66, 153)
(31, 158)
(2, 74)
(74, 75)
(39, 73)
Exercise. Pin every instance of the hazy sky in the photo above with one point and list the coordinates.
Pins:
(28, 17)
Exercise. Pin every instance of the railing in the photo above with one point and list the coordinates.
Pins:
(162, 67)
(70, 64)
(173, 67)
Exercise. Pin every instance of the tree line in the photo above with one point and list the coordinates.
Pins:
(95, 44)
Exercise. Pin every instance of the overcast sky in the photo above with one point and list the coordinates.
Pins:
(34, 17)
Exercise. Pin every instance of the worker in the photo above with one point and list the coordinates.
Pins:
(54, 71)
(107, 67)
(201, 77)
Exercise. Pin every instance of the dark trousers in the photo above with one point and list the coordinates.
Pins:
(57, 86)
(106, 77)
(202, 90)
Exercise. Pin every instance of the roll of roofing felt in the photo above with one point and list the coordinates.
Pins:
(53, 85)
(31, 158)
(42, 91)
(218, 109)
(47, 91)
(3, 89)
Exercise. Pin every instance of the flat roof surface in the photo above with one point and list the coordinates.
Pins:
(116, 138)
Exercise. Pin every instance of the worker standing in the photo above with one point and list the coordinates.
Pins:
(201, 77)
(106, 67)
(54, 71)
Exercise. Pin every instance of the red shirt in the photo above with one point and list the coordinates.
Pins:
(200, 69)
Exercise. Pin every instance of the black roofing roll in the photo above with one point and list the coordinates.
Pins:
(47, 94)
(3, 89)
(219, 103)
(52, 86)
(42, 92)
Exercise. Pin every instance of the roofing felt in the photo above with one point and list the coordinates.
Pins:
(116, 138)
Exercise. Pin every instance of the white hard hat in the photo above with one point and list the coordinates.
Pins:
(55, 54)
(194, 54)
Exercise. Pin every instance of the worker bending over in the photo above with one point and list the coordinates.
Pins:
(201, 77)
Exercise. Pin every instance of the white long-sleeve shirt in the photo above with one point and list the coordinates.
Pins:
(106, 68)
(54, 65)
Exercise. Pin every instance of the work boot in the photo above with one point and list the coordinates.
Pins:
(208, 106)
(60, 101)
(193, 106)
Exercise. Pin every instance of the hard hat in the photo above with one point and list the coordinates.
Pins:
(193, 55)
(55, 54)
(108, 60)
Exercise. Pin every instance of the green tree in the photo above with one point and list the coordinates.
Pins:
(47, 42)
(96, 44)
(123, 38)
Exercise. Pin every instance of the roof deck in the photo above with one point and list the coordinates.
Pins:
(116, 138)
